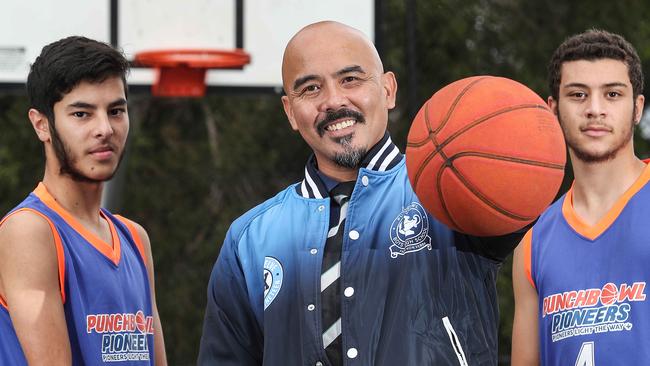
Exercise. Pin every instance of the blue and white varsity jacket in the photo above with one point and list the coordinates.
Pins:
(422, 293)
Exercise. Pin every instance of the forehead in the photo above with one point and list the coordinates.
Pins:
(324, 54)
(106, 91)
(594, 72)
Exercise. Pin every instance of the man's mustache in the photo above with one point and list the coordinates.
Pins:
(343, 113)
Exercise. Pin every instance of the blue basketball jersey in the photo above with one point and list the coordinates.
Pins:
(591, 281)
(104, 287)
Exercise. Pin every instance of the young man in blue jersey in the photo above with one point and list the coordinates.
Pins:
(76, 282)
(580, 273)
(325, 273)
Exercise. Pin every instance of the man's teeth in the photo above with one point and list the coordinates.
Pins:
(340, 125)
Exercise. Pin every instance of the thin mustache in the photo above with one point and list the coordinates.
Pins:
(596, 124)
(112, 147)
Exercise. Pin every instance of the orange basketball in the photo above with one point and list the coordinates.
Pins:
(485, 155)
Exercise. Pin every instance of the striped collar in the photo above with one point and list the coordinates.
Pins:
(383, 156)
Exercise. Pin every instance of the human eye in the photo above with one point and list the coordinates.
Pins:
(613, 94)
(80, 114)
(351, 80)
(310, 89)
(577, 95)
(116, 112)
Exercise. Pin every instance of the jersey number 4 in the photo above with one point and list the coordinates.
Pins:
(586, 355)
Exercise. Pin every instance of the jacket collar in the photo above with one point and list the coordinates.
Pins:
(383, 156)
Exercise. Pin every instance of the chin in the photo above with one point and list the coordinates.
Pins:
(91, 177)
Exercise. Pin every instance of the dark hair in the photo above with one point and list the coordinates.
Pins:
(592, 45)
(63, 64)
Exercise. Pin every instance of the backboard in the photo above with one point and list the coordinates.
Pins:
(261, 27)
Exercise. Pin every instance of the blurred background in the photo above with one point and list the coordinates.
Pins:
(195, 164)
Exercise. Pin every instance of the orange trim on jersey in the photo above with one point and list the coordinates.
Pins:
(527, 243)
(592, 232)
(58, 245)
(111, 252)
(135, 235)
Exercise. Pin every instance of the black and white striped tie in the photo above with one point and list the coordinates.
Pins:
(330, 283)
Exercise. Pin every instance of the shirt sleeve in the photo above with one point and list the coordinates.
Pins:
(231, 333)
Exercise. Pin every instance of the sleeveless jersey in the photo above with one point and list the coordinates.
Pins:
(105, 290)
(591, 281)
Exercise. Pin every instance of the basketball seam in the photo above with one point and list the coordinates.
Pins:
(474, 123)
(485, 200)
(442, 198)
(489, 116)
(451, 109)
(502, 158)
(456, 101)
(482, 197)
(430, 137)
(477, 122)
(431, 134)
(475, 191)
(508, 158)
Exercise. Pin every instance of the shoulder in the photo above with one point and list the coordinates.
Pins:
(30, 239)
(26, 228)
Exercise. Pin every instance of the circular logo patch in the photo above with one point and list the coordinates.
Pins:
(273, 275)
(410, 231)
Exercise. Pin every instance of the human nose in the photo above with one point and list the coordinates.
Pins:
(334, 98)
(103, 126)
(595, 107)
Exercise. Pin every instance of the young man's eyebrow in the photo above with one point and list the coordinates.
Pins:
(607, 85)
(117, 103)
(85, 105)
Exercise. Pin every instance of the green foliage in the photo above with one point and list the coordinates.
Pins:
(21, 154)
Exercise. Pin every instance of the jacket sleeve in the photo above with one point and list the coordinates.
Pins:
(231, 333)
(496, 248)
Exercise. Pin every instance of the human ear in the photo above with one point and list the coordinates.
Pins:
(288, 110)
(390, 87)
(40, 123)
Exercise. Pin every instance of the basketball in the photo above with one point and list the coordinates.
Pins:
(485, 155)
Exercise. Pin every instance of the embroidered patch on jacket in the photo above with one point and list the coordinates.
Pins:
(273, 275)
(409, 232)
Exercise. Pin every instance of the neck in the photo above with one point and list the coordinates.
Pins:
(81, 199)
(337, 172)
(598, 186)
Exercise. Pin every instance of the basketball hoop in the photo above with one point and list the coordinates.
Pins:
(181, 73)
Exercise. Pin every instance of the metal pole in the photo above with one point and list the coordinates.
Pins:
(411, 57)
(113, 191)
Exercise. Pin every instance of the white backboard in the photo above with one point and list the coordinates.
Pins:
(141, 25)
